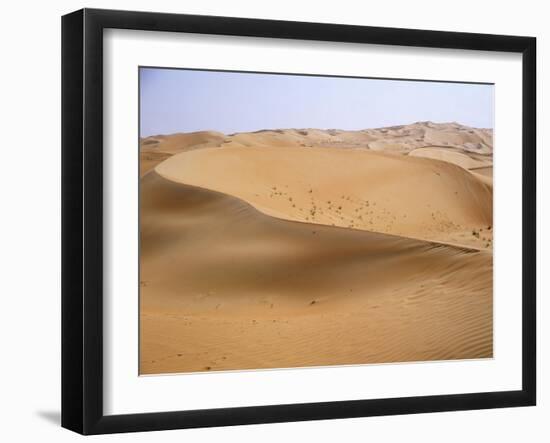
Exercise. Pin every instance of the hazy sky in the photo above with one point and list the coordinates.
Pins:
(174, 100)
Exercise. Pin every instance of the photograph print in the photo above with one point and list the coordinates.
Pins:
(294, 221)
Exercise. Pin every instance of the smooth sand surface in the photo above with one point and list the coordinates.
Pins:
(283, 249)
(354, 188)
(155, 149)
(450, 155)
(486, 171)
(224, 286)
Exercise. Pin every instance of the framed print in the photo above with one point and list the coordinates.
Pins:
(269, 221)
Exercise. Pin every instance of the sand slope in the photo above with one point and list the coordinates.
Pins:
(158, 148)
(224, 286)
(410, 196)
(452, 156)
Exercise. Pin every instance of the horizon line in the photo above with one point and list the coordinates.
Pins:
(267, 129)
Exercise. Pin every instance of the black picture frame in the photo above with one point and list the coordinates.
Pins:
(82, 218)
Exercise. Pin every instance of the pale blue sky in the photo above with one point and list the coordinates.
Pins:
(177, 100)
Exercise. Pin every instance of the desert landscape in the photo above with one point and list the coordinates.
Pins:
(286, 248)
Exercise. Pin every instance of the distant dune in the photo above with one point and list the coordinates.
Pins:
(399, 139)
(310, 247)
(475, 143)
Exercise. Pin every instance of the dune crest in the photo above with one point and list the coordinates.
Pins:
(400, 195)
(157, 148)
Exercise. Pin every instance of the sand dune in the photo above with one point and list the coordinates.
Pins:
(474, 146)
(487, 171)
(408, 196)
(158, 148)
(225, 286)
(148, 161)
(485, 175)
(181, 142)
(398, 139)
(311, 247)
(452, 156)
